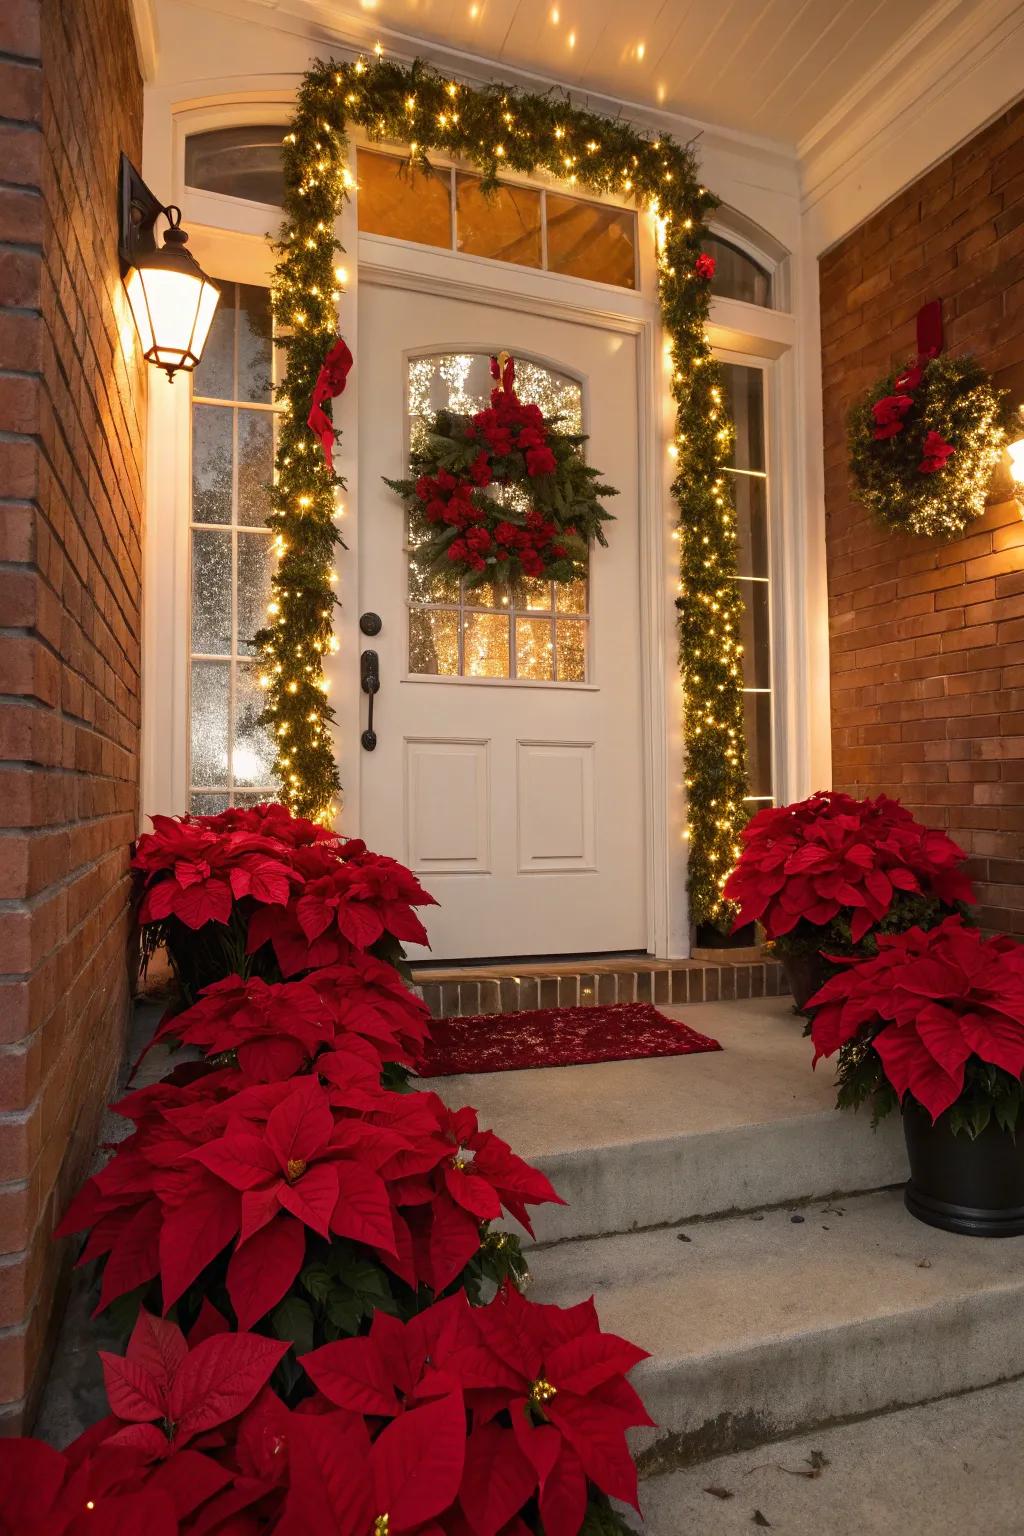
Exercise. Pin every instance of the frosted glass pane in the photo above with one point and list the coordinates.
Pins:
(209, 722)
(755, 633)
(757, 723)
(461, 382)
(504, 226)
(211, 464)
(533, 594)
(255, 563)
(434, 642)
(255, 467)
(737, 275)
(485, 642)
(535, 656)
(592, 240)
(211, 592)
(426, 587)
(571, 596)
(750, 496)
(202, 804)
(253, 757)
(255, 349)
(571, 643)
(238, 162)
(215, 375)
(744, 403)
(395, 200)
(487, 594)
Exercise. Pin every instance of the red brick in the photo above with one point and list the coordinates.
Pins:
(927, 647)
(71, 455)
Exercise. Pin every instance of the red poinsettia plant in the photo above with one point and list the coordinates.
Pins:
(936, 1017)
(832, 873)
(498, 1421)
(274, 1215)
(258, 891)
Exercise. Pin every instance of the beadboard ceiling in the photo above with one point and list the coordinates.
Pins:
(775, 68)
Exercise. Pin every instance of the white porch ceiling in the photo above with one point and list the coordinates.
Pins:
(774, 68)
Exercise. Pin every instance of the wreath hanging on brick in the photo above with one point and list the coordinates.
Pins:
(924, 442)
(503, 493)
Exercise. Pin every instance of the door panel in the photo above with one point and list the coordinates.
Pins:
(516, 798)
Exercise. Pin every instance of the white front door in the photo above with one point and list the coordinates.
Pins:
(508, 770)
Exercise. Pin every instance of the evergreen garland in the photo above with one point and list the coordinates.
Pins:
(498, 128)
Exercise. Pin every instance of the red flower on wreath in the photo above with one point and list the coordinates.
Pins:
(889, 413)
(704, 266)
(935, 452)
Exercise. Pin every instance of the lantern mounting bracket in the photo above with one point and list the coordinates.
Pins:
(139, 211)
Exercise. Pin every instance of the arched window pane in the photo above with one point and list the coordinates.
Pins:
(737, 275)
(237, 162)
(493, 629)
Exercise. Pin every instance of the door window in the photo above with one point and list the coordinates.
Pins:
(231, 554)
(533, 630)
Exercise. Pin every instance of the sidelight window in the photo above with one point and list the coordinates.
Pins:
(748, 474)
(231, 552)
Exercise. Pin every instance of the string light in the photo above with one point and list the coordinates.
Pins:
(532, 133)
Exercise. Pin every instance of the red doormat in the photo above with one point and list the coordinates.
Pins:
(556, 1037)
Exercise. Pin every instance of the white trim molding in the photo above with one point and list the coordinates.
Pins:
(957, 70)
(144, 26)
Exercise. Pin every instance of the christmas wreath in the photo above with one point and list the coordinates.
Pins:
(504, 493)
(924, 442)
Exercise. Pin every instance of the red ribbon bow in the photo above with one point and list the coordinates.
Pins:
(330, 381)
(504, 373)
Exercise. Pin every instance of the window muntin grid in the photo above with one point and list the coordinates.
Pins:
(534, 630)
(524, 226)
(230, 552)
(745, 400)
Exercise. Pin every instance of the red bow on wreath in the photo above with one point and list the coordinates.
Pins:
(330, 381)
(891, 409)
(503, 369)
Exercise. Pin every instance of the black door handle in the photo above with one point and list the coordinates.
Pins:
(369, 681)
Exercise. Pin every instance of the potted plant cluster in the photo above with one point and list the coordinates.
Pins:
(324, 1330)
(828, 875)
(933, 1023)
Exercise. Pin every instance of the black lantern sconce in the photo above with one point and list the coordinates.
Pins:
(172, 300)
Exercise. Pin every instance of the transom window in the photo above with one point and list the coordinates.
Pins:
(531, 629)
(748, 473)
(738, 275)
(231, 557)
(238, 162)
(528, 226)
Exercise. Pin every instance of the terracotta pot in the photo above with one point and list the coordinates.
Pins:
(805, 974)
(972, 1187)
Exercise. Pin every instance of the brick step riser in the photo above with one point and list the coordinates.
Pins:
(470, 996)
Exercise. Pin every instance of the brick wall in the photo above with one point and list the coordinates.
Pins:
(927, 639)
(72, 394)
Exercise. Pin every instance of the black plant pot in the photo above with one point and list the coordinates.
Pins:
(805, 974)
(972, 1187)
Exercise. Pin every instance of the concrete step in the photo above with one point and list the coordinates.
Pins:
(950, 1466)
(762, 1327)
(635, 1144)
